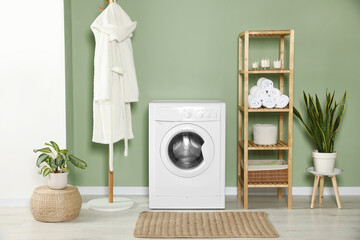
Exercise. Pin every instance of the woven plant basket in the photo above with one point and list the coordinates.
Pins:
(48, 205)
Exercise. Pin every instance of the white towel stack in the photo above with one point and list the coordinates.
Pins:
(264, 94)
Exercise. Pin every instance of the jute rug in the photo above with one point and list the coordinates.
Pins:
(204, 225)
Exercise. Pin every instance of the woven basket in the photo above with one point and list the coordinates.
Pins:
(267, 176)
(48, 205)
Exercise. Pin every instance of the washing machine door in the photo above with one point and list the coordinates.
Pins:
(187, 150)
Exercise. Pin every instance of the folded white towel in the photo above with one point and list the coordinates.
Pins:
(254, 102)
(274, 92)
(282, 101)
(266, 84)
(259, 93)
(253, 89)
(268, 102)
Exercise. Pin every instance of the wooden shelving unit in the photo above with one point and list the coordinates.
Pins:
(244, 143)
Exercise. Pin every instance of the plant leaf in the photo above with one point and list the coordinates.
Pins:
(41, 159)
(43, 150)
(46, 172)
(307, 128)
(318, 106)
(64, 156)
(59, 162)
(42, 169)
(339, 116)
(55, 146)
(52, 163)
(64, 151)
(77, 162)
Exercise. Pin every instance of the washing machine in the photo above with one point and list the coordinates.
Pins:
(186, 155)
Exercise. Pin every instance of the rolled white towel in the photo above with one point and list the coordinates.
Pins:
(274, 92)
(268, 102)
(258, 83)
(282, 101)
(260, 93)
(267, 84)
(252, 90)
(254, 102)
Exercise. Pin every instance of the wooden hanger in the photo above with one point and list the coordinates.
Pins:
(107, 4)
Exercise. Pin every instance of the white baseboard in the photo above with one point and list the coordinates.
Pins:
(16, 202)
(116, 190)
(296, 191)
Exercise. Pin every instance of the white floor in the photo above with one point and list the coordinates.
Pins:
(322, 222)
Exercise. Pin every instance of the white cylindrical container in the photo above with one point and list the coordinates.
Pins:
(265, 134)
(277, 64)
(324, 162)
(57, 180)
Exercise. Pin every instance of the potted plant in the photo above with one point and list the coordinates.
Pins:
(56, 164)
(322, 125)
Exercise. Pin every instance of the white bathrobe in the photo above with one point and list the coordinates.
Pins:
(115, 84)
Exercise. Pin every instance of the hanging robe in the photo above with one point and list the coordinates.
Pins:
(115, 83)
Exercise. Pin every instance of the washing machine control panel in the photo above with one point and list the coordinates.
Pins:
(200, 114)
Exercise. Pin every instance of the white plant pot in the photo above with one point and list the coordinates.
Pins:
(57, 180)
(324, 162)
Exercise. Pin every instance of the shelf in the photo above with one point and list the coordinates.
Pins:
(266, 33)
(261, 185)
(280, 145)
(263, 109)
(276, 178)
(267, 71)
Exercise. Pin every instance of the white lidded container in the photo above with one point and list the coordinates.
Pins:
(265, 134)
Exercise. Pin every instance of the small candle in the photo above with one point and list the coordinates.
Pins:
(255, 65)
(265, 62)
(277, 64)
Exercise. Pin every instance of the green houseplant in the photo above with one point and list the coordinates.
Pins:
(322, 125)
(54, 162)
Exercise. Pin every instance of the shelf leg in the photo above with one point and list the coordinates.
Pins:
(279, 192)
(316, 183)
(246, 199)
(239, 189)
(239, 172)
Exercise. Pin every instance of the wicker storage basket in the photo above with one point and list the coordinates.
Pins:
(266, 171)
(48, 205)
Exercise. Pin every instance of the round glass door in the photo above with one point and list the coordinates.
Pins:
(185, 150)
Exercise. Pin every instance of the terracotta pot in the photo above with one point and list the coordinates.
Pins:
(324, 162)
(57, 180)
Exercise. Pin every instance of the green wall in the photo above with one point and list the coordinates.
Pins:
(188, 50)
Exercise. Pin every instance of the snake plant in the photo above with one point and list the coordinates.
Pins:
(322, 123)
(56, 159)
